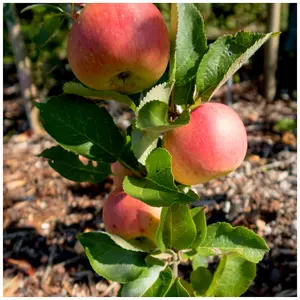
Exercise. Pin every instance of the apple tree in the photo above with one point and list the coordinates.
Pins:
(125, 53)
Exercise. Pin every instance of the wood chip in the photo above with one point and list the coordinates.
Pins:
(11, 285)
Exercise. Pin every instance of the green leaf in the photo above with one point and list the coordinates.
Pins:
(201, 279)
(48, 29)
(191, 44)
(188, 287)
(82, 127)
(69, 166)
(48, 7)
(124, 244)
(161, 285)
(110, 260)
(224, 58)
(184, 95)
(160, 230)
(152, 113)
(179, 229)
(77, 88)
(158, 188)
(127, 154)
(155, 118)
(145, 281)
(143, 244)
(199, 261)
(159, 92)
(177, 290)
(196, 259)
(232, 277)
(143, 142)
(222, 238)
(198, 216)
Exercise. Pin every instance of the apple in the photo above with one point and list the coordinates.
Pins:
(119, 173)
(123, 47)
(212, 145)
(130, 218)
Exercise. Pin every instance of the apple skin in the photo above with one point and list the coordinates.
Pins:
(212, 145)
(128, 217)
(119, 173)
(123, 47)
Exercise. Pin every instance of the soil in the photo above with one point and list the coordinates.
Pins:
(43, 212)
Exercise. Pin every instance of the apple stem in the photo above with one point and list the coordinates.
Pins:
(175, 269)
(172, 105)
(180, 256)
(74, 14)
(174, 263)
(73, 11)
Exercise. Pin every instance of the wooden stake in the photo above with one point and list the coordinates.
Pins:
(271, 51)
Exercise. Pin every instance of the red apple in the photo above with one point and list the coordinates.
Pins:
(119, 46)
(128, 217)
(119, 173)
(213, 144)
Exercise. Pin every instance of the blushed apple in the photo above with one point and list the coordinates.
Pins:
(119, 46)
(128, 217)
(212, 145)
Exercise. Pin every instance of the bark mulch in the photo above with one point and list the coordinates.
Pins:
(43, 212)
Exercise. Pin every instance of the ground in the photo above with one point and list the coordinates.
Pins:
(43, 212)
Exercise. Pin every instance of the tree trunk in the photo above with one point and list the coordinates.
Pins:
(23, 64)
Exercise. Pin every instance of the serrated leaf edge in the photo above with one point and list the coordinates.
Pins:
(155, 94)
(235, 66)
(235, 250)
(183, 82)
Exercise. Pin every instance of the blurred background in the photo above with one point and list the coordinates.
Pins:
(43, 211)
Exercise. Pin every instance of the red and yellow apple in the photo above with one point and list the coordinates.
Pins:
(130, 218)
(212, 145)
(119, 46)
(119, 172)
